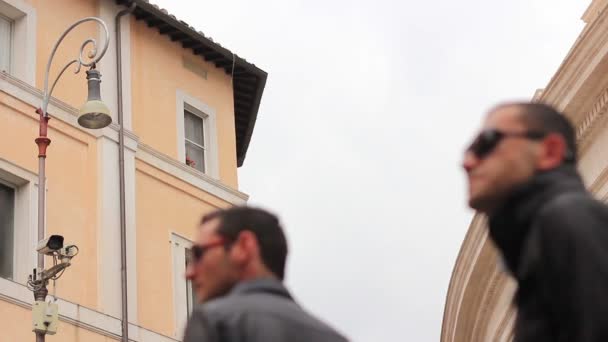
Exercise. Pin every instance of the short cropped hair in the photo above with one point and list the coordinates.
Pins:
(264, 225)
(540, 117)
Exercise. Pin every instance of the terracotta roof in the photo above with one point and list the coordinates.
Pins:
(248, 80)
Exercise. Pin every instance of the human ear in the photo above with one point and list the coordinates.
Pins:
(553, 152)
(245, 246)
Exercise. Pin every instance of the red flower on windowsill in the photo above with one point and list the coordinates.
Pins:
(190, 162)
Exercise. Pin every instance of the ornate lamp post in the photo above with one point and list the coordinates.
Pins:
(94, 114)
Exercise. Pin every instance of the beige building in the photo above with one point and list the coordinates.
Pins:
(189, 107)
(478, 305)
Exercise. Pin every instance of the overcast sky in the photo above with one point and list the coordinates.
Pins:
(357, 146)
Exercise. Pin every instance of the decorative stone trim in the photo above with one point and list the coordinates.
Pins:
(577, 67)
(68, 114)
(506, 324)
(591, 118)
(189, 175)
(472, 246)
(80, 316)
(482, 316)
(593, 11)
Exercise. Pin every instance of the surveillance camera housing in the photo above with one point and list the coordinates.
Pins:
(50, 245)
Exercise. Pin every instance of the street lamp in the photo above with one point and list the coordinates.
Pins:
(93, 114)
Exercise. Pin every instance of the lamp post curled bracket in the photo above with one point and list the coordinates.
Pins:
(93, 56)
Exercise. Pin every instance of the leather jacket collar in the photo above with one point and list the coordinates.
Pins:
(510, 225)
(262, 285)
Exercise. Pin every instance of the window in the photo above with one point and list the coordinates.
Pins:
(7, 230)
(18, 39)
(196, 134)
(18, 219)
(194, 128)
(183, 292)
(6, 43)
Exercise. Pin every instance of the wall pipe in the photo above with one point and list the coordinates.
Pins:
(121, 171)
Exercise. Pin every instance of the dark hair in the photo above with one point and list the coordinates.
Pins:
(264, 225)
(544, 118)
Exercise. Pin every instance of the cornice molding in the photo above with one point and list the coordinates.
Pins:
(578, 65)
(482, 317)
(472, 246)
(598, 183)
(69, 115)
(506, 324)
(592, 119)
(80, 316)
(491, 289)
(593, 11)
(189, 175)
(599, 108)
(248, 80)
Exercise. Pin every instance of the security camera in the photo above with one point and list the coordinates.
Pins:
(62, 256)
(66, 254)
(50, 245)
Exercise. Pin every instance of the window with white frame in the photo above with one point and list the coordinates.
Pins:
(195, 143)
(18, 39)
(18, 212)
(6, 43)
(7, 230)
(197, 134)
(183, 292)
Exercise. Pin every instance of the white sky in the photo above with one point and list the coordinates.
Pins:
(357, 146)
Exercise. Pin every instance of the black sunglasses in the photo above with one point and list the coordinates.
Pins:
(488, 139)
(198, 251)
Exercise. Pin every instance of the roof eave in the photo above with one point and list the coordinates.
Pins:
(244, 74)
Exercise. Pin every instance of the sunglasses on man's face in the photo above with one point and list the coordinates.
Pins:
(198, 251)
(488, 139)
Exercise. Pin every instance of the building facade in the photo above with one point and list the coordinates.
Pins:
(189, 107)
(479, 300)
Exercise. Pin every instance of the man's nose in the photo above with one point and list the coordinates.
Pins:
(189, 271)
(469, 161)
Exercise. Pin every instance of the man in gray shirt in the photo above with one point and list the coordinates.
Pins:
(237, 267)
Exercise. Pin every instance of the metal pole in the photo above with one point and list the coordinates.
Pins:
(43, 141)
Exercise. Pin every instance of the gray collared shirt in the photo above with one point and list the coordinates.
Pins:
(260, 310)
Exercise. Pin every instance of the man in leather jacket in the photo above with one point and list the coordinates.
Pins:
(237, 267)
(552, 234)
